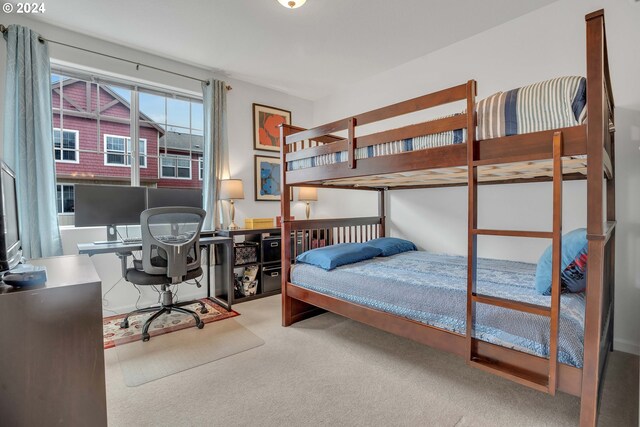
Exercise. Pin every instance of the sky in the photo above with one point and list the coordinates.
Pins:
(177, 115)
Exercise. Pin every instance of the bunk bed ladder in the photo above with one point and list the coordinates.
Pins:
(546, 383)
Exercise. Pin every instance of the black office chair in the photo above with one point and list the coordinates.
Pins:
(170, 255)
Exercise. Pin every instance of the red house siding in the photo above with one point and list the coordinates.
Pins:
(194, 182)
(114, 115)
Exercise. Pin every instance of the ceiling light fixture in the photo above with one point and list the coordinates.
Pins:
(292, 4)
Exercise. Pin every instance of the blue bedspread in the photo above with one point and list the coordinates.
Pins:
(431, 288)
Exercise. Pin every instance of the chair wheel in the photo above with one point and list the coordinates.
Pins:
(200, 325)
(203, 311)
(124, 324)
(146, 337)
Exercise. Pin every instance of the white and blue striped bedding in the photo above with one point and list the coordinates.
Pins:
(552, 104)
(432, 289)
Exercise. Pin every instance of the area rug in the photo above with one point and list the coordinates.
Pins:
(143, 362)
(165, 324)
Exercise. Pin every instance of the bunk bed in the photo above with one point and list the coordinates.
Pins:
(448, 151)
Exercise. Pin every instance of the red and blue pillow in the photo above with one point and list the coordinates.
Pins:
(573, 264)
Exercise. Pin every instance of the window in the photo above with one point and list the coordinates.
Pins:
(65, 145)
(180, 144)
(173, 166)
(65, 198)
(92, 112)
(117, 151)
(200, 168)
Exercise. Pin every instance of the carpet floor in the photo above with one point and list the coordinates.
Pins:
(329, 370)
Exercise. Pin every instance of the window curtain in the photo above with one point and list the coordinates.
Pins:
(216, 151)
(28, 140)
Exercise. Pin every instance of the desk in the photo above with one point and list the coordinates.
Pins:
(223, 267)
(52, 350)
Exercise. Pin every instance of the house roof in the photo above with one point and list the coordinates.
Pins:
(65, 81)
(181, 142)
(171, 140)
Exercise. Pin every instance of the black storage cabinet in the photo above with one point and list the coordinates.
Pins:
(271, 249)
(261, 247)
(271, 280)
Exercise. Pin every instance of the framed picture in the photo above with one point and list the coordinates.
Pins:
(267, 177)
(266, 133)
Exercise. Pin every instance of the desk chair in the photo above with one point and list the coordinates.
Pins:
(170, 255)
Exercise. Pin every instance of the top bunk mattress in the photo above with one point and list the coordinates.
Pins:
(551, 104)
(432, 289)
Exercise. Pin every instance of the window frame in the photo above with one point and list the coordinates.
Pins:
(200, 168)
(176, 167)
(126, 153)
(62, 185)
(76, 150)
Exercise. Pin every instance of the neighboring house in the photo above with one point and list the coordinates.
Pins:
(180, 160)
(93, 145)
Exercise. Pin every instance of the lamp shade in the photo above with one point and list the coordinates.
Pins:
(231, 189)
(308, 194)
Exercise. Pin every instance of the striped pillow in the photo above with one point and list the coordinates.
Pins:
(551, 104)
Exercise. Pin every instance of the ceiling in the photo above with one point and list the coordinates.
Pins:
(308, 52)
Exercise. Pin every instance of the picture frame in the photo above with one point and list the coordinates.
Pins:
(267, 179)
(266, 122)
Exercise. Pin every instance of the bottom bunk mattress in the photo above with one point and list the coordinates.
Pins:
(432, 289)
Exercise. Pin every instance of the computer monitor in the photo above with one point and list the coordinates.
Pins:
(163, 197)
(10, 247)
(109, 205)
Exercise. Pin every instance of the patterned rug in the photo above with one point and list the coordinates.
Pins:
(165, 324)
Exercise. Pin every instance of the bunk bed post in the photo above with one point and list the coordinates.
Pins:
(597, 125)
(611, 218)
(472, 243)
(556, 280)
(285, 225)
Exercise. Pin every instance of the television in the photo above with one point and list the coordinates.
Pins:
(10, 247)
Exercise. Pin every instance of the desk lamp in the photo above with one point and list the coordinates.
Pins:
(308, 194)
(231, 189)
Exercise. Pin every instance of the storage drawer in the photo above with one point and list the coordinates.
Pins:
(245, 252)
(271, 279)
(271, 249)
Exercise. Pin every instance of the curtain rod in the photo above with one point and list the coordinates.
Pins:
(3, 29)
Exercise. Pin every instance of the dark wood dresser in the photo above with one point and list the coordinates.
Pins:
(52, 357)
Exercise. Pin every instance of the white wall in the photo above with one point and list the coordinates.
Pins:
(546, 43)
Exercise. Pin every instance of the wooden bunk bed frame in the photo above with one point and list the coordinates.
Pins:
(545, 158)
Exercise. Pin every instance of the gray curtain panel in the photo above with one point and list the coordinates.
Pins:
(28, 140)
(216, 151)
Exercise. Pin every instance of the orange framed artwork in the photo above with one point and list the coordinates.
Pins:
(266, 133)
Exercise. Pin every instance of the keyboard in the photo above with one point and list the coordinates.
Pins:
(132, 240)
(168, 238)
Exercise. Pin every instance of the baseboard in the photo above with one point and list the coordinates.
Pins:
(626, 346)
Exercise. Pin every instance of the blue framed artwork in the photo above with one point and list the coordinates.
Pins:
(267, 176)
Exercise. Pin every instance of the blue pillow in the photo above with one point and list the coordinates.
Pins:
(574, 251)
(392, 245)
(330, 257)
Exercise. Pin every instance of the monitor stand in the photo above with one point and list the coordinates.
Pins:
(112, 236)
